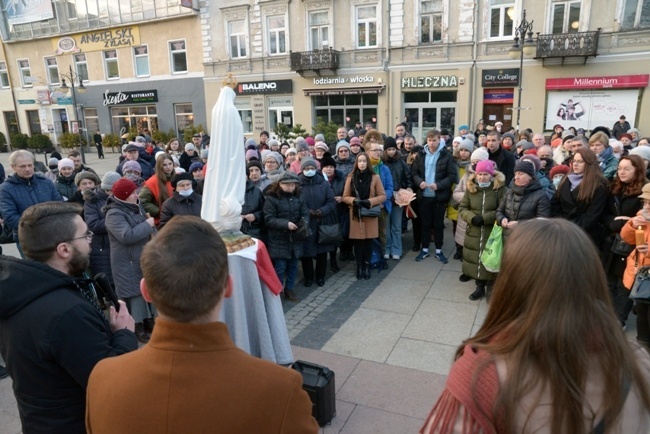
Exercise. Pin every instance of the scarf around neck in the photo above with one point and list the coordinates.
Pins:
(361, 181)
(575, 180)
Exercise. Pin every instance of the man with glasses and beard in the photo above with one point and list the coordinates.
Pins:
(52, 331)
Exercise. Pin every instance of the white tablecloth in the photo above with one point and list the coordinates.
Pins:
(254, 314)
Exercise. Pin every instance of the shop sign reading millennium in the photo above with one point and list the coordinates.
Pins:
(123, 98)
(430, 81)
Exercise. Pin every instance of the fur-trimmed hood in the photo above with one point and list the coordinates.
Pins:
(498, 181)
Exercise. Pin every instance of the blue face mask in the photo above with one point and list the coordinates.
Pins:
(483, 184)
(186, 193)
(557, 180)
(309, 173)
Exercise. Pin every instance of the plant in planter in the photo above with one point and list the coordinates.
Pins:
(190, 131)
(19, 141)
(70, 140)
(111, 141)
(40, 143)
(3, 143)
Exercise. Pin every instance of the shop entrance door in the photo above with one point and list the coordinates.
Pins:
(425, 117)
(497, 113)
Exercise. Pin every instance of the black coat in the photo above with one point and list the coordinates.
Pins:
(253, 204)
(525, 203)
(619, 205)
(505, 162)
(179, 205)
(586, 215)
(446, 174)
(279, 210)
(100, 246)
(400, 172)
(318, 195)
(51, 337)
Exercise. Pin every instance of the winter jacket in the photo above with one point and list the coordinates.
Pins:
(345, 166)
(128, 232)
(180, 205)
(386, 182)
(367, 227)
(635, 259)
(400, 172)
(446, 174)
(482, 202)
(147, 169)
(343, 214)
(457, 197)
(65, 186)
(279, 210)
(525, 203)
(100, 246)
(253, 204)
(318, 195)
(452, 207)
(610, 167)
(619, 205)
(51, 337)
(586, 215)
(2, 173)
(620, 128)
(18, 194)
(505, 162)
(150, 196)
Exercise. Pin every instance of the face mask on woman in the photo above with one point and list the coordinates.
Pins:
(557, 180)
(186, 193)
(484, 184)
(309, 173)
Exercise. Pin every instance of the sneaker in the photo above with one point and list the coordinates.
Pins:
(396, 257)
(422, 256)
(3, 372)
(386, 256)
(441, 257)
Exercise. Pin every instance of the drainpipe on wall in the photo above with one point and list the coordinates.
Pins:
(473, 73)
(13, 97)
(385, 66)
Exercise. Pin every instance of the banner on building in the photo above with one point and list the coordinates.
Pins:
(590, 108)
(27, 11)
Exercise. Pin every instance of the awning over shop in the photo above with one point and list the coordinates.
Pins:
(359, 90)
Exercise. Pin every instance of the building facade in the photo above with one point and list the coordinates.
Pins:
(132, 65)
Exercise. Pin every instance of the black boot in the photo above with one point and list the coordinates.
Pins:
(488, 291)
(143, 337)
(366, 271)
(290, 295)
(148, 324)
(359, 271)
(479, 293)
(344, 256)
(459, 253)
(333, 265)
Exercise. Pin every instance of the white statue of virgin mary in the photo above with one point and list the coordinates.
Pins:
(225, 182)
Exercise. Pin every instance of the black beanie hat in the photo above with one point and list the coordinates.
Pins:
(327, 160)
(183, 176)
(389, 142)
(252, 163)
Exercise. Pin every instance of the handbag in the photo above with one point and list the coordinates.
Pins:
(302, 233)
(375, 211)
(641, 286)
(329, 234)
(6, 234)
(620, 247)
(491, 256)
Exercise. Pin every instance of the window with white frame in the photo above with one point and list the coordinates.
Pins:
(366, 19)
(81, 66)
(319, 30)
(636, 14)
(25, 72)
(430, 21)
(4, 76)
(52, 70)
(178, 54)
(184, 117)
(277, 34)
(141, 61)
(110, 65)
(237, 37)
(502, 13)
(565, 16)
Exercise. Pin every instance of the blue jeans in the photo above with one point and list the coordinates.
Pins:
(286, 268)
(394, 232)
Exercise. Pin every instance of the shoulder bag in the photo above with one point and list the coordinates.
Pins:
(302, 233)
(641, 286)
(374, 211)
(620, 247)
(6, 234)
(329, 234)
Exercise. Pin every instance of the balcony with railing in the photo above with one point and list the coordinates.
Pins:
(562, 46)
(315, 61)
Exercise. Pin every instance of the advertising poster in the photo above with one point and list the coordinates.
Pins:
(27, 11)
(590, 108)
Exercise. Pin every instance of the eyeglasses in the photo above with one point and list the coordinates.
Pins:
(88, 235)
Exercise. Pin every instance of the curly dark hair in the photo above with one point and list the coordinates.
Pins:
(635, 187)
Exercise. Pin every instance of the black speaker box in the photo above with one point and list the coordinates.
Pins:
(318, 382)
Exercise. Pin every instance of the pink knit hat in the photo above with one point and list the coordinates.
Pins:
(486, 166)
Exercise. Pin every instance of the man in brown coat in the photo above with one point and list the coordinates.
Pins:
(190, 377)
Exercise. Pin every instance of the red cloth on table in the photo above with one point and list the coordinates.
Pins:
(266, 270)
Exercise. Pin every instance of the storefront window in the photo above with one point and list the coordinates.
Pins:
(34, 122)
(184, 117)
(346, 110)
(91, 120)
(424, 111)
(246, 120)
(141, 117)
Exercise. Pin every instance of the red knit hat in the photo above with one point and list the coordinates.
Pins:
(123, 188)
(560, 168)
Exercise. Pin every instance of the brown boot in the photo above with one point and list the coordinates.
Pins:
(143, 336)
(290, 295)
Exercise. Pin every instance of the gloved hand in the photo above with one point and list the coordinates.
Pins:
(312, 213)
(477, 220)
(366, 203)
(318, 213)
(357, 202)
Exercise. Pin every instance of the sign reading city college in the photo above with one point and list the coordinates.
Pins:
(500, 77)
(259, 87)
(429, 81)
(98, 40)
(124, 98)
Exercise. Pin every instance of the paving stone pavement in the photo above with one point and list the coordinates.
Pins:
(390, 340)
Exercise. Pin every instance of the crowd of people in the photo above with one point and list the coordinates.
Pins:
(311, 201)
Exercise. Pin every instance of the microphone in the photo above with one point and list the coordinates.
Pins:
(104, 285)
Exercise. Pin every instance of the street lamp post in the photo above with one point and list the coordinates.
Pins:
(72, 77)
(524, 45)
